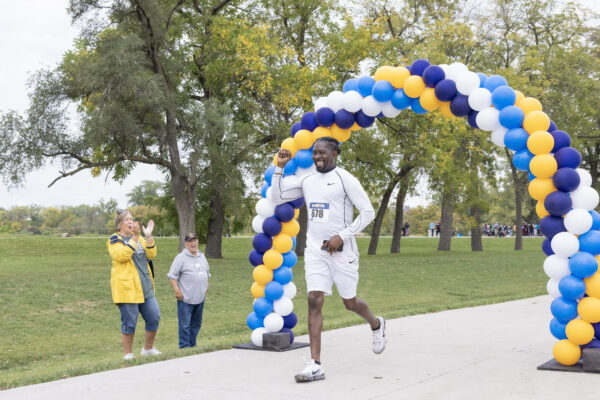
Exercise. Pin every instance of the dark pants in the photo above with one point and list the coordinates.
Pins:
(190, 320)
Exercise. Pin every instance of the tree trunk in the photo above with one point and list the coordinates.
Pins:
(301, 238)
(214, 236)
(446, 220)
(518, 203)
(476, 243)
(385, 200)
(185, 201)
(400, 197)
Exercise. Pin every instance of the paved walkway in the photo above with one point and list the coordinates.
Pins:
(488, 352)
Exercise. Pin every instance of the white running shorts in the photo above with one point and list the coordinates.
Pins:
(323, 270)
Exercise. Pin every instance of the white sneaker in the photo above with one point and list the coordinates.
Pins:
(312, 372)
(151, 352)
(128, 356)
(379, 338)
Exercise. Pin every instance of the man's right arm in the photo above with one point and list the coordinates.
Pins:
(284, 190)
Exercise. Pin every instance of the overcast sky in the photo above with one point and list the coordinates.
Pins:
(35, 34)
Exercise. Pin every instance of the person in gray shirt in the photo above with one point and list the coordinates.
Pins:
(189, 275)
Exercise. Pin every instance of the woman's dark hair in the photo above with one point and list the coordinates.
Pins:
(333, 144)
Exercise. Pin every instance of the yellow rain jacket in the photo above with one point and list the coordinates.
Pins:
(125, 281)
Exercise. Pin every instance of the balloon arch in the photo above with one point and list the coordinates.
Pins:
(565, 198)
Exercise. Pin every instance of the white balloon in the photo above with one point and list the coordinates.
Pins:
(257, 223)
(480, 99)
(498, 136)
(455, 70)
(257, 336)
(289, 290)
(273, 322)
(487, 119)
(585, 197)
(564, 244)
(585, 179)
(352, 101)
(265, 207)
(335, 100)
(389, 110)
(556, 267)
(552, 288)
(371, 107)
(283, 306)
(467, 82)
(320, 103)
(578, 221)
(444, 67)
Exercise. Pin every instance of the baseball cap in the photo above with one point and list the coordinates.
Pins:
(190, 236)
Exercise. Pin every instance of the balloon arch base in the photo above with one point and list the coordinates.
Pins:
(590, 363)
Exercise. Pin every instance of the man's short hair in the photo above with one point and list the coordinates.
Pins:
(332, 143)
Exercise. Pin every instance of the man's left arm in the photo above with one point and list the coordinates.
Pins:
(361, 201)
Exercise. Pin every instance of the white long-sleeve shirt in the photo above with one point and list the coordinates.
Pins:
(330, 199)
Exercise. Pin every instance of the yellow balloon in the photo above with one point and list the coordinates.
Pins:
(428, 100)
(355, 127)
(445, 109)
(579, 331)
(529, 104)
(543, 166)
(275, 160)
(399, 75)
(272, 259)
(290, 228)
(321, 131)
(290, 145)
(540, 209)
(257, 290)
(414, 86)
(589, 309)
(282, 243)
(566, 352)
(296, 213)
(303, 139)
(592, 284)
(536, 121)
(540, 142)
(539, 188)
(384, 73)
(339, 134)
(262, 275)
(520, 96)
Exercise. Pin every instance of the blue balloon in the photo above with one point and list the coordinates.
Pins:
(590, 242)
(460, 106)
(552, 126)
(303, 158)
(325, 116)
(432, 75)
(289, 259)
(445, 90)
(596, 329)
(503, 96)
(363, 120)
(271, 226)
(472, 119)
(365, 86)
(567, 157)
(273, 290)
(294, 243)
(263, 190)
(290, 320)
(269, 174)
(593, 344)
(563, 310)
(482, 78)
(297, 203)
(261, 242)
(309, 121)
(400, 100)
(550, 226)
(561, 139)
(290, 168)
(558, 329)
(351, 84)
(493, 82)
(263, 306)
(571, 287)
(596, 219)
(546, 247)
(419, 66)
(383, 91)
(295, 128)
(255, 257)
(416, 106)
(283, 275)
(344, 119)
(566, 179)
(583, 264)
(511, 117)
(254, 321)
(284, 212)
(516, 139)
(289, 331)
(558, 203)
(530, 176)
(521, 159)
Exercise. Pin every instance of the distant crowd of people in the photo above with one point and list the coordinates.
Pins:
(503, 230)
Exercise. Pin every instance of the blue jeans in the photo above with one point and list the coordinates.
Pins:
(190, 320)
(129, 314)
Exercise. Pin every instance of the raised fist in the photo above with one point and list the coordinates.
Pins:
(283, 156)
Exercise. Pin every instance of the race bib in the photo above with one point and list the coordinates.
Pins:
(319, 212)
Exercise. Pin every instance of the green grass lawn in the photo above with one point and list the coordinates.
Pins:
(58, 319)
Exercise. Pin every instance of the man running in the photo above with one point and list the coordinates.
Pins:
(331, 254)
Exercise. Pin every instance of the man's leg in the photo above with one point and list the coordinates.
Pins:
(360, 307)
(315, 323)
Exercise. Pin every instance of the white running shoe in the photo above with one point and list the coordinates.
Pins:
(379, 338)
(151, 352)
(128, 356)
(312, 372)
